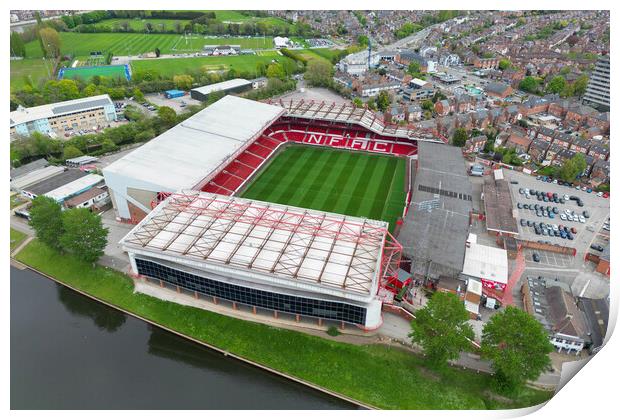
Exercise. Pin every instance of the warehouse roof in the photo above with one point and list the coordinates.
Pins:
(216, 87)
(437, 223)
(74, 187)
(190, 151)
(498, 206)
(24, 115)
(294, 247)
(28, 167)
(38, 175)
(56, 181)
(486, 262)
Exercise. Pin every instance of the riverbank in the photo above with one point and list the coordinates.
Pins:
(377, 375)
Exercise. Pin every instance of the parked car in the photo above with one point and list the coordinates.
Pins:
(521, 191)
(523, 223)
(562, 234)
(519, 205)
(536, 257)
(597, 248)
(586, 214)
(599, 194)
(514, 182)
(582, 219)
(573, 230)
(563, 216)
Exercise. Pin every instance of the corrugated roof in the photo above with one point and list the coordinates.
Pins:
(216, 87)
(56, 181)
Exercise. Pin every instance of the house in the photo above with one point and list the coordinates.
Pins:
(442, 108)
(480, 118)
(580, 145)
(513, 114)
(599, 152)
(600, 172)
(519, 141)
(485, 63)
(538, 150)
(545, 134)
(563, 140)
(413, 95)
(259, 83)
(395, 113)
(414, 113)
(600, 120)
(552, 151)
(407, 56)
(578, 114)
(498, 90)
(475, 144)
(562, 156)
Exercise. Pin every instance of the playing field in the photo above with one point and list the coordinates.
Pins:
(338, 181)
(29, 69)
(172, 66)
(85, 73)
(81, 44)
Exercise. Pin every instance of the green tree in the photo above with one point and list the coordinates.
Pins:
(517, 345)
(71, 152)
(84, 236)
(580, 85)
(428, 105)
(167, 116)
(573, 167)
(183, 81)
(441, 328)
(18, 48)
(414, 68)
(504, 64)
(275, 70)
(556, 85)
(46, 220)
(383, 100)
(529, 84)
(319, 73)
(51, 42)
(362, 40)
(358, 102)
(138, 95)
(459, 137)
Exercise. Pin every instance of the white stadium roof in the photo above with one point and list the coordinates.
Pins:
(185, 155)
(292, 247)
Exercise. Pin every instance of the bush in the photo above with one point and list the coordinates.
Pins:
(333, 331)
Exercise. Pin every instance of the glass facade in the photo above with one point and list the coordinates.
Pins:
(336, 311)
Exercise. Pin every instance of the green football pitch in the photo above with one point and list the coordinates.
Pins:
(337, 181)
(88, 72)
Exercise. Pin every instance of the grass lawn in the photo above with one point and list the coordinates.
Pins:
(313, 55)
(172, 66)
(16, 200)
(81, 44)
(382, 376)
(338, 181)
(17, 238)
(28, 68)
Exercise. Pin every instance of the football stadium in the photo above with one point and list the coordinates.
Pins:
(284, 208)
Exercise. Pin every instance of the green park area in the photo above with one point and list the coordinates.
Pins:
(171, 66)
(17, 238)
(379, 375)
(29, 70)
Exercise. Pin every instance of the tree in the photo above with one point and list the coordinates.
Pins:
(529, 84)
(573, 167)
(18, 48)
(275, 70)
(580, 85)
(358, 102)
(84, 236)
(460, 137)
(517, 345)
(427, 105)
(51, 42)
(556, 85)
(414, 68)
(362, 40)
(383, 100)
(441, 328)
(319, 73)
(504, 64)
(46, 220)
(183, 81)
(71, 152)
(167, 116)
(138, 96)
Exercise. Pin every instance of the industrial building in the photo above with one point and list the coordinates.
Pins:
(229, 86)
(436, 226)
(63, 118)
(498, 207)
(486, 264)
(263, 256)
(63, 184)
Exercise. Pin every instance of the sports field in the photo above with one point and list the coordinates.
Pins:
(85, 73)
(337, 181)
(30, 70)
(80, 45)
(172, 66)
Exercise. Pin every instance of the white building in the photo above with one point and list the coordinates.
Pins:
(281, 42)
(487, 264)
(358, 63)
(188, 155)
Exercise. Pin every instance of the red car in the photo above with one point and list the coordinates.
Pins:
(606, 195)
(574, 230)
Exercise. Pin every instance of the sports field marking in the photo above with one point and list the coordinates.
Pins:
(333, 180)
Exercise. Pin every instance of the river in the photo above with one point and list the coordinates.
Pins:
(70, 352)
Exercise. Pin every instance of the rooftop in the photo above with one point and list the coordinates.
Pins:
(486, 262)
(74, 187)
(437, 223)
(24, 115)
(56, 181)
(216, 87)
(192, 151)
(29, 167)
(300, 248)
(498, 206)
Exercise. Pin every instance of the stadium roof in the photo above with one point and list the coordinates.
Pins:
(436, 226)
(348, 113)
(24, 115)
(190, 152)
(216, 87)
(498, 206)
(289, 246)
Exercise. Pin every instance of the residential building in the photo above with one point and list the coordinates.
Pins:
(597, 92)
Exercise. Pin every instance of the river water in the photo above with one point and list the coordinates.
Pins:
(70, 352)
